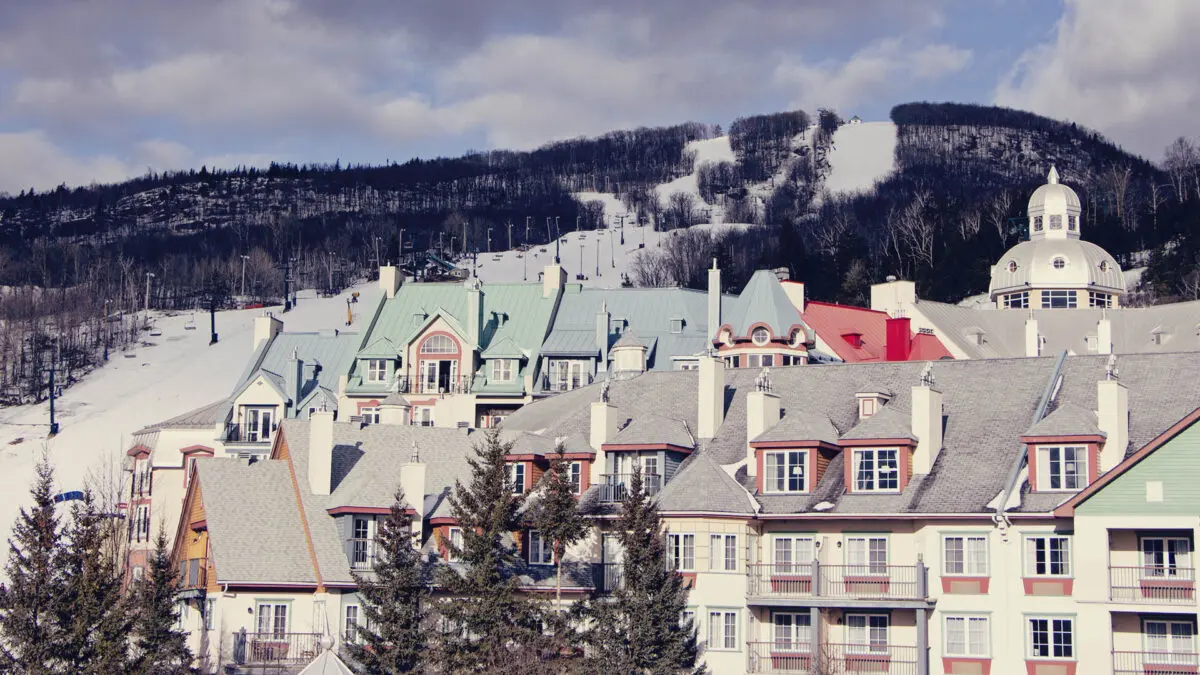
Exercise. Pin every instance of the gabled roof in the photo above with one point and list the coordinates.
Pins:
(762, 301)
(890, 422)
(202, 417)
(700, 484)
(1067, 420)
(833, 322)
(655, 430)
(327, 663)
(800, 426)
(380, 347)
(628, 339)
(504, 348)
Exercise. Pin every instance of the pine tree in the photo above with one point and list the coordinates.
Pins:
(392, 601)
(29, 632)
(557, 515)
(641, 630)
(488, 626)
(92, 611)
(161, 649)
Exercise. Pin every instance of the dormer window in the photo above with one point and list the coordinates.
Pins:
(376, 370)
(1072, 223)
(760, 336)
(785, 471)
(516, 477)
(869, 403)
(853, 339)
(676, 325)
(876, 470)
(1062, 468)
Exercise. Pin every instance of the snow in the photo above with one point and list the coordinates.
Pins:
(179, 372)
(862, 154)
(710, 150)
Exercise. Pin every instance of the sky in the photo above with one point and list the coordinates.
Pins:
(96, 91)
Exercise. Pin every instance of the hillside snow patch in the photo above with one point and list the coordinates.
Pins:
(862, 155)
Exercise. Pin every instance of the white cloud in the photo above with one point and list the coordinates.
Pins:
(31, 159)
(1124, 67)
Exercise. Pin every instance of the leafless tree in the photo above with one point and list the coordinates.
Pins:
(969, 225)
(997, 215)
(649, 270)
(1179, 161)
(916, 229)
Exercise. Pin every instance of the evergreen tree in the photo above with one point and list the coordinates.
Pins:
(488, 626)
(92, 611)
(161, 648)
(392, 601)
(29, 631)
(641, 630)
(557, 515)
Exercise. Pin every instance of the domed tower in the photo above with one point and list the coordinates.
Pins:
(1055, 269)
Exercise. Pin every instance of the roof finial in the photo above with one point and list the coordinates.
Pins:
(714, 263)
(763, 381)
(1110, 371)
(927, 375)
(1052, 178)
(604, 390)
(416, 453)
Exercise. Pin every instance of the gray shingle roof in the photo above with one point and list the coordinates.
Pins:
(701, 484)
(801, 426)
(654, 429)
(204, 416)
(1068, 419)
(889, 422)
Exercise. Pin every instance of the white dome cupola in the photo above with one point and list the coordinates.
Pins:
(1053, 210)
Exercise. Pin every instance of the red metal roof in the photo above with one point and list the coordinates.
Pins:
(834, 323)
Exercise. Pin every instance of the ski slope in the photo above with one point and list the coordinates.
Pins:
(172, 373)
(862, 154)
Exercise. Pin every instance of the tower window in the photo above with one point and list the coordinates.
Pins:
(760, 336)
(1037, 223)
(1103, 265)
(1056, 222)
(1012, 266)
(1017, 300)
(1072, 223)
(1059, 263)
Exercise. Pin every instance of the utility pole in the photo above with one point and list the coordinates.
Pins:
(557, 230)
(597, 253)
(53, 421)
(331, 254)
(107, 331)
(577, 219)
(146, 308)
(400, 251)
(548, 237)
(510, 235)
(612, 250)
(527, 219)
(375, 241)
(441, 248)
(212, 314)
(244, 259)
(489, 233)
(465, 237)
(580, 259)
(286, 266)
(525, 266)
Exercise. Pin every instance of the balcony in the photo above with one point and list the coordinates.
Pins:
(615, 486)
(361, 553)
(249, 434)
(193, 578)
(816, 584)
(795, 658)
(275, 649)
(1155, 663)
(1152, 585)
(609, 576)
(557, 384)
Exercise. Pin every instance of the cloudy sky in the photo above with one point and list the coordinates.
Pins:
(99, 90)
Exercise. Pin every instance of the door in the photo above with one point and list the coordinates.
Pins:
(258, 426)
(429, 377)
(1170, 642)
(611, 558)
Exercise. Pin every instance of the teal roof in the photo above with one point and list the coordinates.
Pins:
(763, 300)
(504, 348)
(380, 347)
(332, 351)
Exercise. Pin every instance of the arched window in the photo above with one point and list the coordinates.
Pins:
(1012, 266)
(439, 344)
(760, 336)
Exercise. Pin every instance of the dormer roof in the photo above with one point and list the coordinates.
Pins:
(891, 422)
(505, 348)
(1067, 420)
(655, 430)
(800, 426)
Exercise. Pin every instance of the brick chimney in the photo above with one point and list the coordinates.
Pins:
(320, 452)
(711, 409)
(898, 343)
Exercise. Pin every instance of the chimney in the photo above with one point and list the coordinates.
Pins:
(474, 312)
(898, 344)
(795, 293)
(1033, 341)
(893, 297)
(293, 379)
(603, 430)
(926, 426)
(762, 413)
(412, 481)
(603, 330)
(390, 280)
(266, 327)
(320, 452)
(1104, 336)
(554, 277)
(711, 409)
(714, 301)
(1112, 416)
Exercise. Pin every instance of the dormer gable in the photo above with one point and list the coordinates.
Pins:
(1063, 450)
(870, 402)
(792, 456)
(878, 452)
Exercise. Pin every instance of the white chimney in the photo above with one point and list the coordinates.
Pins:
(1104, 336)
(762, 413)
(1033, 341)
(926, 426)
(266, 327)
(390, 280)
(412, 481)
(714, 300)
(320, 452)
(474, 312)
(1112, 416)
(603, 430)
(711, 409)
(893, 297)
(554, 277)
(795, 293)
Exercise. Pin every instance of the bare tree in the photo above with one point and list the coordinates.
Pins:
(998, 214)
(649, 270)
(1179, 161)
(970, 223)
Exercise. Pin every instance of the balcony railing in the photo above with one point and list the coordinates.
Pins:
(556, 384)
(609, 576)
(275, 649)
(838, 582)
(361, 553)
(1153, 585)
(783, 657)
(461, 385)
(193, 576)
(249, 433)
(1155, 663)
(615, 486)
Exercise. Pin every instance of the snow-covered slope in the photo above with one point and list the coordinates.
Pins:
(712, 150)
(862, 154)
(177, 373)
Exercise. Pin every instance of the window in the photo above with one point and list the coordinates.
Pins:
(1169, 642)
(376, 370)
(760, 360)
(876, 470)
(455, 543)
(502, 370)
(967, 636)
(422, 416)
(1012, 266)
(575, 470)
(439, 344)
(540, 550)
(1017, 300)
(784, 471)
(1058, 263)
(1056, 222)
(965, 555)
(350, 631)
(722, 629)
(866, 407)
(867, 633)
(867, 555)
(687, 618)
(1037, 223)
(1048, 556)
(142, 523)
(272, 619)
(793, 631)
(209, 609)
(1096, 299)
(689, 365)
(793, 554)
(369, 414)
(1062, 467)
(722, 553)
(1058, 300)
(1072, 223)
(516, 477)
(1051, 638)
(1103, 265)
(676, 325)
(649, 466)
(567, 375)
(259, 423)
(681, 552)
(1167, 557)
(760, 336)
(362, 543)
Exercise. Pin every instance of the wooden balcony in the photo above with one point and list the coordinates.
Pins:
(193, 578)
(817, 584)
(1152, 585)
(782, 657)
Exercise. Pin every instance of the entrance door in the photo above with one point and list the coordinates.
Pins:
(258, 424)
